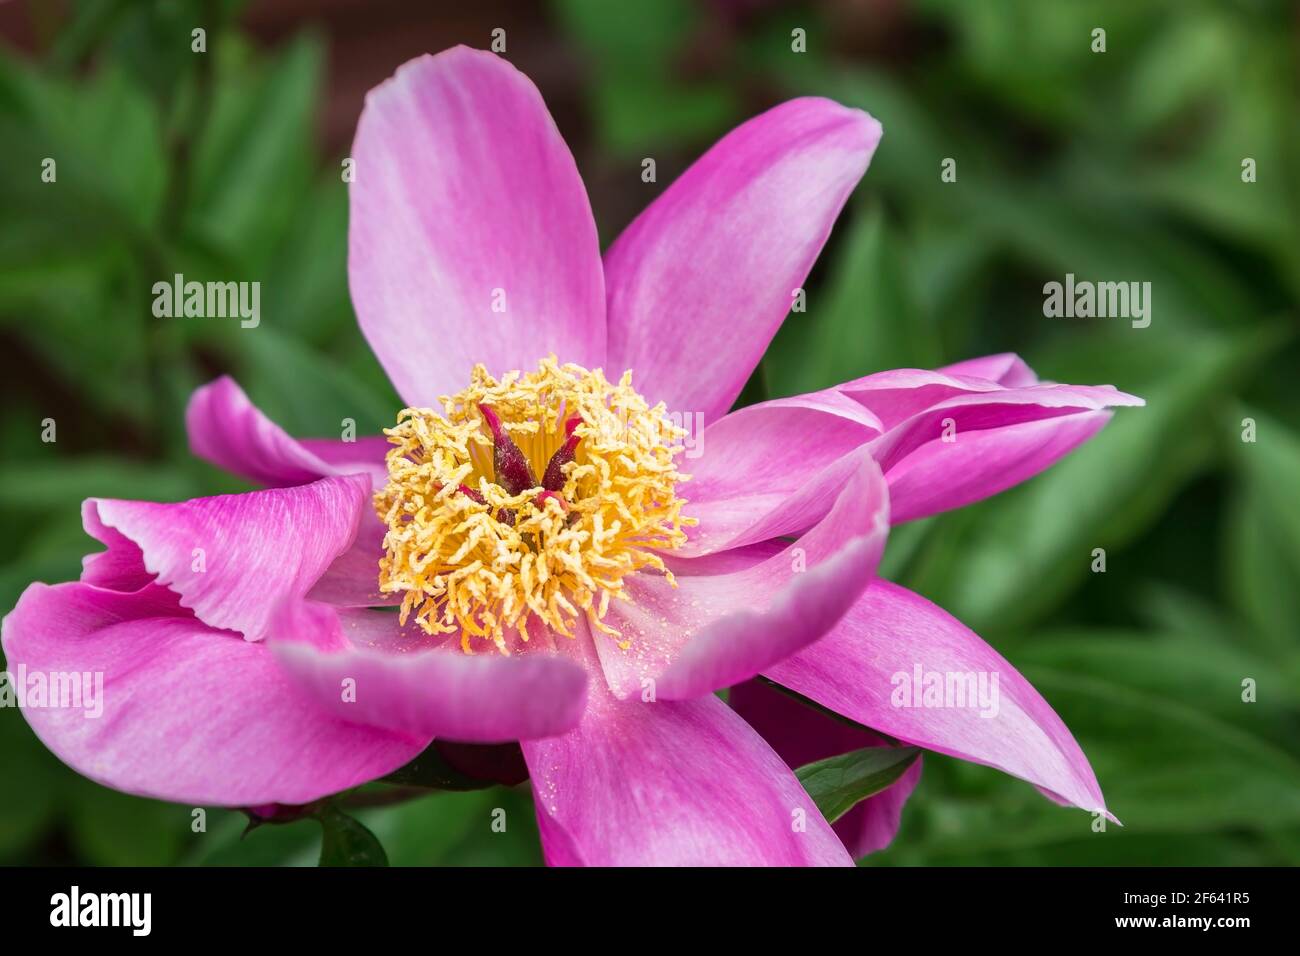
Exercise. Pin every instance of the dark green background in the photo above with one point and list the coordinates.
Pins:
(1117, 166)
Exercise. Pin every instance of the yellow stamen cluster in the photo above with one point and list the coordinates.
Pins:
(483, 568)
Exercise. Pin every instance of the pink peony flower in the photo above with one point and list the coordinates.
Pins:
(560, 581)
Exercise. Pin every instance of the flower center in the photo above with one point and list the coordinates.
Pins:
(478, 543)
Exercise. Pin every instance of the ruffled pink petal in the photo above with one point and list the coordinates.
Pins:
(683, 783)
(189, 714)
(232, 559)
(699, 283)
(361, 665)
(771, 469)
(862, 666)
(471, 238)
(714, 630)
(121, 566)
(802, 735)
(228, 430)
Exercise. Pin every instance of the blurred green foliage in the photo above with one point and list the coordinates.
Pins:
(1123, 165)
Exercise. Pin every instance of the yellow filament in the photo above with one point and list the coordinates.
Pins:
(459, 569)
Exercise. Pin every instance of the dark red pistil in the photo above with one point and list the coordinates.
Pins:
(553, 479)
(513, 473)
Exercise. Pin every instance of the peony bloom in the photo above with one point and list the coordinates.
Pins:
(523, 557)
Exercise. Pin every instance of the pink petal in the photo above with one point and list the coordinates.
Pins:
(464, 187)
(953, 439)
(684, 783)
(771, 469)
(714, 630)
(121, 567)
(939, 476)
(228, 430)
(352, 579)
(859, 668)
(961, 414)
(895, 395)
(900, 394)
(232, 559)
(802, 735)
(1005, 368)
(190, 714)
(699, 283)
(408, 682)
(774, 469)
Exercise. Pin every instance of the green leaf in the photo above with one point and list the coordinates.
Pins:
(1056, 78)
(253, 164)
(637, 35)
(1197, 775)
(107, 360)
(864, 319)
(1202, 179)
(347, 842)
(916, 139)
(66, 283)
(638, 99)
(63, 484)
(1262, 548)
(836, 784)
(495, 827)
(109, 828)
(1169, 764)
(1014, 557)
(1058, 226)
(105, 137)
(30, 770)
(46, 547)
(640, 114)
(1202, 671)
(305, 294)
(1271, 464)
(304, 391)
(227, 842)
(152, 40)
